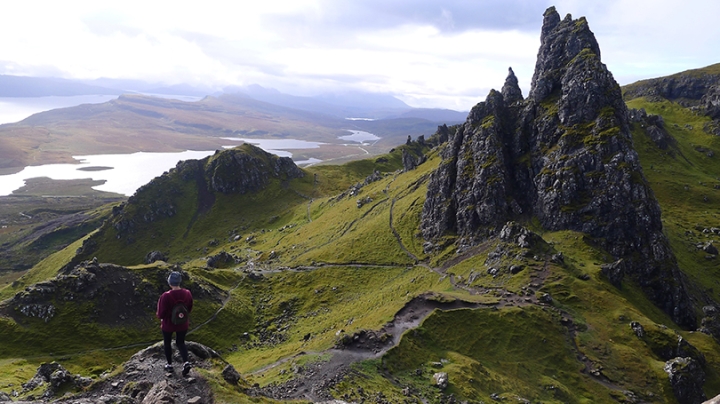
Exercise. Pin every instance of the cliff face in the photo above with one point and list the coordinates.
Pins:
(691, 88)
(698, 89)
(563, 155)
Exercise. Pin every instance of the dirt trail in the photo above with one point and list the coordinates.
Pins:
(314, 380)
(222, 307)
(397, 235)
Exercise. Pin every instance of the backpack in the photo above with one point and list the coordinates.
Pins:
(179, 314)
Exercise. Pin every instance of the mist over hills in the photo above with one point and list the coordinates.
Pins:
(559, 247)
(21, 86)
(346, 104)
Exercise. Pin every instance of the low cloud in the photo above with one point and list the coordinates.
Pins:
(445, 53)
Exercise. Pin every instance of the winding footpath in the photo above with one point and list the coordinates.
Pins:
(315, 385)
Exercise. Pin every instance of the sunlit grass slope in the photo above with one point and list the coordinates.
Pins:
(318, 262)
(686, 182)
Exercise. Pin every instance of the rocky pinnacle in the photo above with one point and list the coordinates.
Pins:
(563, 155)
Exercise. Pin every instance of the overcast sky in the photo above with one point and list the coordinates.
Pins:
(445, 54)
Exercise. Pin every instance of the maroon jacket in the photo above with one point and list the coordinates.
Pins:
(164, 308)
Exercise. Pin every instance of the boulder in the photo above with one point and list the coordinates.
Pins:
(710, 324)
(516, 234)
(637, 329)
(440, 380)
(220, 260)
(710, 248)
(55, 377)
(160, 393)
(614, 272)
(231, 375)
(686, 379)
(153, 256)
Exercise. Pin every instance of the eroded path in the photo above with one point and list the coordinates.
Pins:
(314, 381)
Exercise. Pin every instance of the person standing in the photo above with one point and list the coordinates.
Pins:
(173, 310)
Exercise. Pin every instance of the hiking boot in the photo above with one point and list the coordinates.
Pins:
(186, 368)
(169, 368)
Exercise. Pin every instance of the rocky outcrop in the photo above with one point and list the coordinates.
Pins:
(614, 272)
(698, 89)
(143, 380)
(221, 260)
(563, 155)
(51, 378)
(244, 169)
(688, 89)
(654, 126)
(153, 256)
(248, 169)
(105, 294)
(440, 380)
(710, 324)
(711, 101)
(686, 379)
(410, 160)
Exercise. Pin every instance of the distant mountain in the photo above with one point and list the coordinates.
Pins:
(180, 89)
(21, 86)
(363, 100)
(126, 85)
(273, 96)
(351, 104)
(435, 114)
(346, 104)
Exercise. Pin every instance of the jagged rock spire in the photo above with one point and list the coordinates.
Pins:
(561, 42)
(563, 156)
(511, 90)
(551, 18)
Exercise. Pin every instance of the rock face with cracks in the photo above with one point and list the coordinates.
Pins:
(563, 155)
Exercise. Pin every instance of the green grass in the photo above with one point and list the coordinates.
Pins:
(331, 269)
(712, 70)
(37, 225)
(684, 186)
(488, 352)
(94, 323)
(325, 301)
(45, 269)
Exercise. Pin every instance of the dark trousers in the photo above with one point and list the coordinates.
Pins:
(179, 340)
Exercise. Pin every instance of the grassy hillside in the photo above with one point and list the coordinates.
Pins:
(686, 181)
(322, 264)
(45, 216)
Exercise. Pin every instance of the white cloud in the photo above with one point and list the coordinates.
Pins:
(429, 52)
